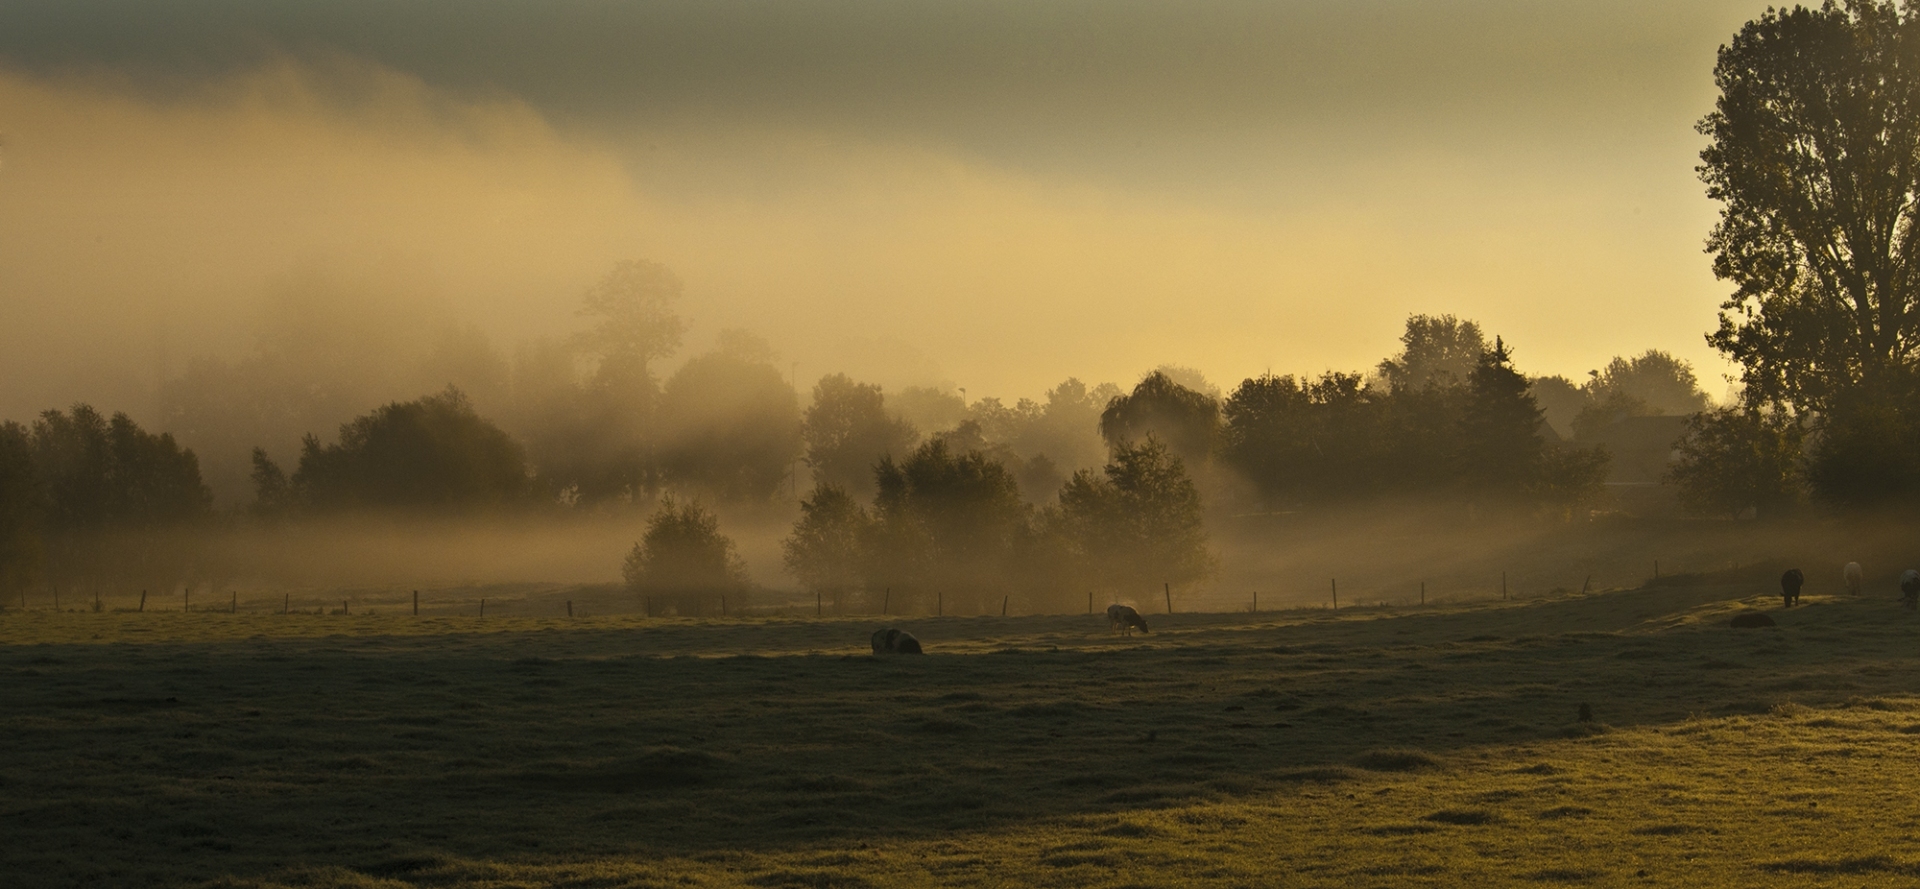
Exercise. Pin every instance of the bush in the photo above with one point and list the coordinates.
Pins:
(684, 563)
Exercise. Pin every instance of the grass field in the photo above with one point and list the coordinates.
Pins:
(1393, 747)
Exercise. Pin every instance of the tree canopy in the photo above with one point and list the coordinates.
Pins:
(847, 428)
(1185, 420)
(1137, 523)
(1815, 158)
(729, 423)
(434, 453)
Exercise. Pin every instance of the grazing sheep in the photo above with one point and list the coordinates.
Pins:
(1125, 620)
(1910, 588)
(1751, 619)
(892, 641)
(1853, 576)
(1790, 584)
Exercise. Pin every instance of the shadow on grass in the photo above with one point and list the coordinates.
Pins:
(188, 760)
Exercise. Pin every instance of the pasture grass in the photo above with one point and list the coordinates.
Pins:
(1401, 747)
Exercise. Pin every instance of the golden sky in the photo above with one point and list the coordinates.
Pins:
(994, 195)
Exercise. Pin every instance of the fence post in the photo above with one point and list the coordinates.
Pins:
(886, 601)
(816, 604)
(723, 604)
(1003, 605)
(143, 601)
(940, 603)
(1423, 592)
(416, 603)
(343, 607)
(483, 607)
(569, 607)
(1089, 601)
(1584, 585)
(1336, 593)
(1167, 589)
(234, 606)
(1503, 584)
(186, 599)
(1256, 601)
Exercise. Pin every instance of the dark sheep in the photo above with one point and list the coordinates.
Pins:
(1910, 588)
(1124, 620)
(1790, 584)
(892, 641)
(1751, 619)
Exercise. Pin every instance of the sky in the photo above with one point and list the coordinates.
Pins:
(988, 195)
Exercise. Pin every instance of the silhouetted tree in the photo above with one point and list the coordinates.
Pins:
(1500, 444)
(1815, 158)
(633, 323)
(1867, 450)
(273, 494)
(101, 474)
(729, 422)
(683, 562)
(108, 488)
(1310, 441)
(1137, 524)
(945, 524)
(22, 510)
(587, 406)
(846, 429)
(825, 550)
(1189, 377)
(1736, 459)
(927, 409)
(1184, 420)
(434, 453)
(1436, 350)
(1649, 385)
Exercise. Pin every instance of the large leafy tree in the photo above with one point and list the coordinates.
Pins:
(434, 453)
(826, 549)
(847, 428)
(729, 422)
(945, 524)
(1185, 420)
(1436, 351)
(1734, 460)
(1137, 524)
(587, 405)
(1306, 441)
(1815, 156)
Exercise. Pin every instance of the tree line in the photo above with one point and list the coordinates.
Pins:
(1091, 489)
